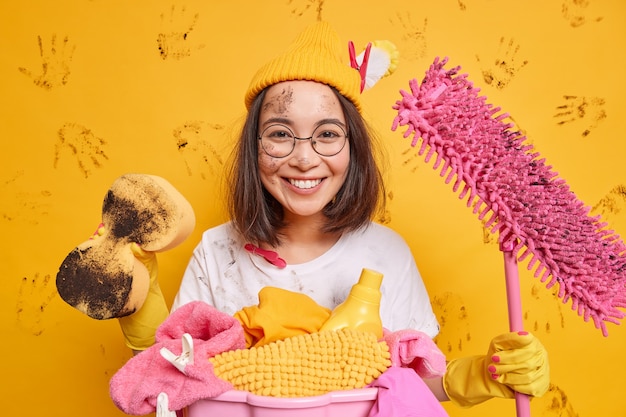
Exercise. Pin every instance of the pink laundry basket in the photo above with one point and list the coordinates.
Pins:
(349, 403)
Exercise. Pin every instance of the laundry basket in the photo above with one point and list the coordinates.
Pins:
(348, 403)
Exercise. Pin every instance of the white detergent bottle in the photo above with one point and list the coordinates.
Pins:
(361, 309)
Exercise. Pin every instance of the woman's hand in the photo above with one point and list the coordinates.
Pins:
(515, 362)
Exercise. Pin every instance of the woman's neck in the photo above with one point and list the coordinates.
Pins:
(303, 240)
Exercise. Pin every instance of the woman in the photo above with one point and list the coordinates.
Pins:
(305, 187)
(313, 210)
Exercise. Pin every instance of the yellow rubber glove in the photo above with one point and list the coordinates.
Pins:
(140, 327)
(514, 362)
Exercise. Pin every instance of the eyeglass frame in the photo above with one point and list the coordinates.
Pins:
(310, 138)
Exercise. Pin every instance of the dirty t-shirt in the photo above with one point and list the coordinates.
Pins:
(223, 274)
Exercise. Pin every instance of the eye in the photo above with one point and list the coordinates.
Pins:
(277, 133)
(329, 132)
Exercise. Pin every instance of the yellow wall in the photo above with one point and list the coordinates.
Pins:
(100, 99)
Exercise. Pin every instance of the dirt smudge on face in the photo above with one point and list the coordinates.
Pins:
(279, 102)
(329, 103)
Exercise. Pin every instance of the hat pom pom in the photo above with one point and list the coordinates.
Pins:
(383, 61)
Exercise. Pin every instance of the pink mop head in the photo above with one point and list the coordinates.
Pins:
(503, 177)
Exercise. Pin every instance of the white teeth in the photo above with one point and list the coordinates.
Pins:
(305, 184)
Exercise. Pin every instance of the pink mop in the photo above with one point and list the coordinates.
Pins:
(534, 212)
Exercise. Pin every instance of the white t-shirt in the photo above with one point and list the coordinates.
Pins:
(223, 274)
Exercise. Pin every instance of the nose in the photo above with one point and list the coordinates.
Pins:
(303, 153)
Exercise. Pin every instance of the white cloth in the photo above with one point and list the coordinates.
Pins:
(222, 273)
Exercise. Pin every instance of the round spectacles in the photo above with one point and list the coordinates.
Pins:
(279, 141)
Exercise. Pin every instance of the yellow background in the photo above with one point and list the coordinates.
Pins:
(100, 99)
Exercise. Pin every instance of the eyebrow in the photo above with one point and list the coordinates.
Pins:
(289, 122)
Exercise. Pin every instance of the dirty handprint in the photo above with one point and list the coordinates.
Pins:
(33, 298)
(414, 36)
(555, 403)
(83, 144)
(25, 205)
(411, 159)
(506, 65)
(576, 13)
(55, 63)
(454, 321)
(300, 7)
(611, 205)
(581, 109)
(543, 312)
(193, 140)
(173, 40)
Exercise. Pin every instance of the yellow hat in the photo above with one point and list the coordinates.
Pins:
(315, 55)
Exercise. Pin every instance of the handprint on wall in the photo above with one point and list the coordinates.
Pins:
(194, 142)
(575, 12)
(83, 144)
(29, 206)
(543, 311)
(554, 403)
(33, 298)
(411, 159)
(414, 36)
(300, 7)
(488, 237)
(581, 109)
(611, 205)
(385, 216)
(453, 320)
(173, 41)
(611, 209)
(506, 65)
(55, 63)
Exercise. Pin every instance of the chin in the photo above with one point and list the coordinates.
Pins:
(308, 211)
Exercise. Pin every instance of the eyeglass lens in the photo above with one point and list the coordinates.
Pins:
(279, 141)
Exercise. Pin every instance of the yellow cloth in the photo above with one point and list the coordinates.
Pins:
(315, 55)
(280, 314)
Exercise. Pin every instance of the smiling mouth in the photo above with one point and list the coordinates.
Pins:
(305, 184)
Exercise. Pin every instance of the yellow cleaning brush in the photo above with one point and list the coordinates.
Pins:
(306, 365)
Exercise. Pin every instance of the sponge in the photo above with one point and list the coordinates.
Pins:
(101, 277)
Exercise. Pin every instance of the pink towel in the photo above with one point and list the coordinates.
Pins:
(135, 387)
(402, 393)
(416, 350)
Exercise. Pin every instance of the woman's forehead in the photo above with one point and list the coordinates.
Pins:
(298, 99)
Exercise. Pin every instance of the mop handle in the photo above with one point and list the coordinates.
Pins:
(514, 301)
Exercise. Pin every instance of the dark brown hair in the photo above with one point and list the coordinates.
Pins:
(258, 216)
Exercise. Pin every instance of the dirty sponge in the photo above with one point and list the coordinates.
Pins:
(101, 277)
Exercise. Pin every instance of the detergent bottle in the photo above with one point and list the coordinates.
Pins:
(361, 309)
